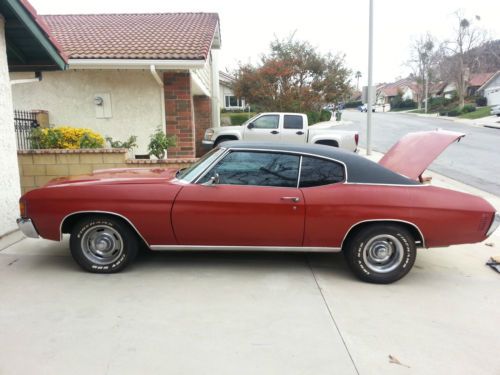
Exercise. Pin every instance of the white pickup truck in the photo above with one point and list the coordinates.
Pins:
(285, 128)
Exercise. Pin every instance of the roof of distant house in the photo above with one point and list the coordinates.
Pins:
(158, 36)
(226, 77)
(479, 79)
(391, 89)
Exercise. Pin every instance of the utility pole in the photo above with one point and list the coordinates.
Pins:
(370, 84)
(426, 90)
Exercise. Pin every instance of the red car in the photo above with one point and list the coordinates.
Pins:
(256, 196)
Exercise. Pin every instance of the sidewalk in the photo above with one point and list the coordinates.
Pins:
(488, 121)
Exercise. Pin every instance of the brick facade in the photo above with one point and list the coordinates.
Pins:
(179, 113)
(202, 119)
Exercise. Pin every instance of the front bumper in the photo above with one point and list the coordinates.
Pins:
(207, 144)
(26, 226)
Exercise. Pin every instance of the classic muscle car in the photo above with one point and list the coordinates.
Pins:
(261, 196)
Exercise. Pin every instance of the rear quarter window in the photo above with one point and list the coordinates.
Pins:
(318, 172)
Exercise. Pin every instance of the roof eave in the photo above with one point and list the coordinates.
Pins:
(134, 64)
(28, 19)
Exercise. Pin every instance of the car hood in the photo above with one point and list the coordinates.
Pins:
(118, 175)
(413, 153)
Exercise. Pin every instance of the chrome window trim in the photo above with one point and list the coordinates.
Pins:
(209, 167)
(300, 171)
(245, 248)
(100, 212)
(377, 220)
(298, 153)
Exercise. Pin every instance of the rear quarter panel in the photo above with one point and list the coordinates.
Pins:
(146, 205)
(443, 216)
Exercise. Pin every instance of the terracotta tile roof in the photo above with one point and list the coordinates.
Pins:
(391, 89)
(162, 36)
(479, 79)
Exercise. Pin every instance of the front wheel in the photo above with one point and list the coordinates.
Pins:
(103, 244)
(381, 253)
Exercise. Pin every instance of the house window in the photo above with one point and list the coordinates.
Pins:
(232, 101)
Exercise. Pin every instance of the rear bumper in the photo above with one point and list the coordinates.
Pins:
(494, 224)
(26, 226)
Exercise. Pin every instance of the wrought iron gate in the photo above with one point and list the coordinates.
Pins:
(24, 123)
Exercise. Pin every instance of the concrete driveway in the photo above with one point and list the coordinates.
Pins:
(252, 313)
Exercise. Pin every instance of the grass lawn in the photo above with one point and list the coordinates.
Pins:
(478, 113)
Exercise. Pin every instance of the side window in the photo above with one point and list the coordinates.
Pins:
(267, 122)
(256, 168)
(293, 122)
(317, 172)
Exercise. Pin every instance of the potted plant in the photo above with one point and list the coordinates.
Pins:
(159, 143)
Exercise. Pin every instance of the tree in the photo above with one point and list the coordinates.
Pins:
(357, 75)
(293, 77)
(460, 54)
(423, 58)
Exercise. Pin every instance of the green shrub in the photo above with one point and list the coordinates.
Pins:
(239, 118)
(313, 117)
(355, 104)
(65, 137)
(129, 144)
(468, 108)
(325, 115)
(454, 112)
(159, 142)
(481, 101)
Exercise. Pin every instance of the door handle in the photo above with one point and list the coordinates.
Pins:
(274, 132)
(293, 199)
(300, 132)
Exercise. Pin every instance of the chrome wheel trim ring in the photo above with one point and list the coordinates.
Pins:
(383, 253)
(102, 245)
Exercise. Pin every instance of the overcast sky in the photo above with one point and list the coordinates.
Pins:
(247, 27)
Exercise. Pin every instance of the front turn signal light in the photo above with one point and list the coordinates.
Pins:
(22, 208)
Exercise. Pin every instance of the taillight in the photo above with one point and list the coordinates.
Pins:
(356, 138)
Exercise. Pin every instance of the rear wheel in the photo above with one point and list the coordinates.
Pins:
(103, 244)
(381, 253)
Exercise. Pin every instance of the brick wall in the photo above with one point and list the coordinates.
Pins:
(179, 113)
(37, 167)
(202, 120)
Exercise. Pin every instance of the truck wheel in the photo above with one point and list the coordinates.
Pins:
(381, 253)
(102, 244)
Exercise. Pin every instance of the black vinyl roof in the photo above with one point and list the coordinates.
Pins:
(359, 169)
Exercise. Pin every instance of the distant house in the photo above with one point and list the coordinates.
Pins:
(491, 89)
(405, 87)
(476, 80)
(229, 100)
(130, 73)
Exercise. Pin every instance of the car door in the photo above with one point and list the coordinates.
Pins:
(293, 129)
(328, 201)
(264, 128)
(255, 202)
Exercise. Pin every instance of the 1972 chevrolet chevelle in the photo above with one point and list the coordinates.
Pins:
(256, 196)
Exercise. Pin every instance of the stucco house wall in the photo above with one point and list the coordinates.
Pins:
(10, 190)
(135, 106)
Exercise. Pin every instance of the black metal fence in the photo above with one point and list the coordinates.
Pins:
(24, 123)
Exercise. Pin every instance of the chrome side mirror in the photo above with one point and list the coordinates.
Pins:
(214, 180)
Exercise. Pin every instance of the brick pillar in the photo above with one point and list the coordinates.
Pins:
(179, 114)
(202, 120)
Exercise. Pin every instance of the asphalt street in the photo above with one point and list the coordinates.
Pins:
(473, 161)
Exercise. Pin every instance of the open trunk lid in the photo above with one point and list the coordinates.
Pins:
(413, 153)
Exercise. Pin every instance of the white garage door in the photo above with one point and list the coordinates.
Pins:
(493, 96)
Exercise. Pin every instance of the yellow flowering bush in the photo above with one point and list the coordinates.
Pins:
(66, 137)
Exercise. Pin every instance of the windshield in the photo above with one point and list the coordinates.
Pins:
(250, 120)
(189, 174)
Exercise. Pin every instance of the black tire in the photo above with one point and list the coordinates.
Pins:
(381, 253)
(223, 139)
(102, 244)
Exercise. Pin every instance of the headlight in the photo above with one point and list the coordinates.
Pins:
(209, 133)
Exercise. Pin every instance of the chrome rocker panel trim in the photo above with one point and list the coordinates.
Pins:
(245, 248)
